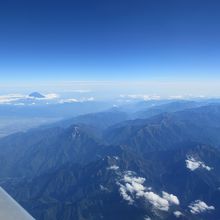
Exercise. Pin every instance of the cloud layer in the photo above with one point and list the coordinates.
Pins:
(13, 98)
(21, 99)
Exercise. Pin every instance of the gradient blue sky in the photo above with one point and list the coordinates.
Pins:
(125, 40)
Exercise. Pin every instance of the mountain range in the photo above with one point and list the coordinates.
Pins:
(119, 164)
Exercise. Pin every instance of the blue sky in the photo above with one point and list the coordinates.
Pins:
(109, 40)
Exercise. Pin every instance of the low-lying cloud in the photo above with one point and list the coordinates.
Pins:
(178, 214)
(199, 206)
(6, 99)
(132, 188)
(14, 98)
(193, 164)
(72, 100)
(113, 167)
(141, 97)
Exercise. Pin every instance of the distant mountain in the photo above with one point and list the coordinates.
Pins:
(149, 108)
(163, 131)
(36, 95)
(110, 117)
(27, 113)
(98, 121)
(170, 107)
(54, 110)
(31, 113)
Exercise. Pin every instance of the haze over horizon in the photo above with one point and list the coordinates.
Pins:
(107, 90)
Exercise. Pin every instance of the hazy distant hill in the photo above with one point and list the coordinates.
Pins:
(162, 131)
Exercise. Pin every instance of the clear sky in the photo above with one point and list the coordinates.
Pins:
(107, 40)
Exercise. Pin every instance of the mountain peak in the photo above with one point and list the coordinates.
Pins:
(36, 95)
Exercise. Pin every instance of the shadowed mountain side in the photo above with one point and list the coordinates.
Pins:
(92, 192)
(151, 167)
(163, 131)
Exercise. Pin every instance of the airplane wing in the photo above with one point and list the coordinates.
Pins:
(10, 209)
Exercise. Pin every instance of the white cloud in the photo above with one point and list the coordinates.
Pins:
(132, 189)
(113, 167)
(19, 104)
(90, 99)
(116, 157)
(81, 91)
(141, 97)
(51, 96)
(171, 198)
(176, 97)
(199, 207)
(186, 96)
(105, 189)
(147, 97)
(124, 194)
(6, 99)
(178, 214)
(157, 201)
(131, 179)
(72, 100)
(193, 164)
